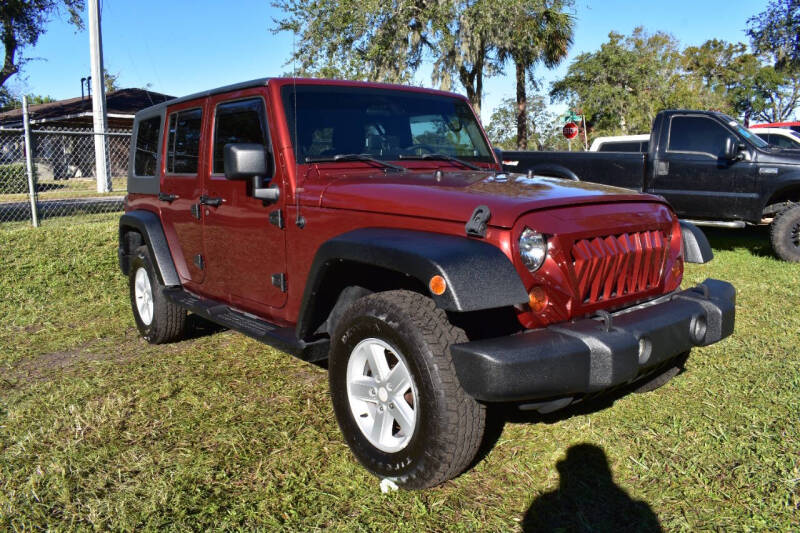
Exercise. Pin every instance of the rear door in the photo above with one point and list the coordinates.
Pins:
(245, 248)
(181, 187)
(691, 172)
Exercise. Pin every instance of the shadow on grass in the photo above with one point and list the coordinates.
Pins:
(197, 327)
(587, 499)
(754, 239)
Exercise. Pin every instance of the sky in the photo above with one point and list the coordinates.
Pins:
(183, 46)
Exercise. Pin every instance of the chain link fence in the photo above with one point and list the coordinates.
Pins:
(64, 180)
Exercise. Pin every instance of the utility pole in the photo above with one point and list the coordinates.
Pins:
(98, 99)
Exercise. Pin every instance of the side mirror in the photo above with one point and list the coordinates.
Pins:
(250, 161)
(733, 150)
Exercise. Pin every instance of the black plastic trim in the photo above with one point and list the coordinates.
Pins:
(696, 248)
(584, 357)
(280, 337)
(478, 274)
(149, 226)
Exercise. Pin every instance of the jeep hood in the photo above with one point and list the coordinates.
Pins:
(456, 194)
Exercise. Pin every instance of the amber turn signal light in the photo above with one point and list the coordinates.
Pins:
(537, 299)
(437, 285)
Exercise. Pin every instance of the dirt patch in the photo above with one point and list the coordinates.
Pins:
(44, 366)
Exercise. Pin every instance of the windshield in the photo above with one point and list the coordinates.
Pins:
(754, 139)
(385, 124)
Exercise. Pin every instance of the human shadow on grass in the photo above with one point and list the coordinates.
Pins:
(587, 499)
(754, 239)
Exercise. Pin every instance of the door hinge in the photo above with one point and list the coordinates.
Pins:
(276, 218)
(198, 261)
(169, 198)
(279, 280)
(196, 211)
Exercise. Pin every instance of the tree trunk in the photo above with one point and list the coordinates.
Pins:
(522, 108)
(10, 45)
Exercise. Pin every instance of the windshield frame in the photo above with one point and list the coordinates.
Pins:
(748, 135)
(470, 127)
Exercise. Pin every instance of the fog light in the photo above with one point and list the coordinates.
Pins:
(537, 299)
(697, 330)
(437, 285)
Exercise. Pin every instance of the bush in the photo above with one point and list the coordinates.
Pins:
(13, 178)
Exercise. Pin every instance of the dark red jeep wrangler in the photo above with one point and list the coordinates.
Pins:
(372, 226)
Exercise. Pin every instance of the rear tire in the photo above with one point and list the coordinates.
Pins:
(785, 234)
(441, 427)
(159, 320)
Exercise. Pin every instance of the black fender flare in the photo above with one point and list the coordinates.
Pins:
(696, 248)
(478, 274)
(149, 226)
(555, 171)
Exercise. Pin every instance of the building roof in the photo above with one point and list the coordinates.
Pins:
(120, 104)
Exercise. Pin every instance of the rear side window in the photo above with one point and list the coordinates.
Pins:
(784, 142)
(620, 147)
(183, 144)
(237, 122)
(697, 134)
(147, 136)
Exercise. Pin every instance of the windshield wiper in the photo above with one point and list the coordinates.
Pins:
(356, 157)
(444, 157)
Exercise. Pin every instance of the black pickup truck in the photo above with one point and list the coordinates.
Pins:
(712, 170)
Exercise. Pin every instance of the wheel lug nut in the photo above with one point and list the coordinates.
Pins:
(372, 392)
(380, 408)
(388, 386)
(391, 406)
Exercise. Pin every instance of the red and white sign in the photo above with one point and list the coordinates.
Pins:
(570, 130)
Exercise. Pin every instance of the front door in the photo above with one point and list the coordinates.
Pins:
(692, 173)
(245, 250)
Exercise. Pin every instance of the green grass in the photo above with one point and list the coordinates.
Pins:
(100, 430)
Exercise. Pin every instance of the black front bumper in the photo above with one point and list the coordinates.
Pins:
(594, 354)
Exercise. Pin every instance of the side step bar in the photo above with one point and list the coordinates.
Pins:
(280, 337)
(733, 224)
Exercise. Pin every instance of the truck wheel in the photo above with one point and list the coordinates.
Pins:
(785, 234)
(395, 392)
(659, 380)
(158, 319)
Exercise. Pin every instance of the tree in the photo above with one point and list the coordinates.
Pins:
(24, 21)
(110, 81)
(751, 87)
(776, 32)
(9, 100)
(543, 125)
(378, 40)
(622, 86)
(538, 31)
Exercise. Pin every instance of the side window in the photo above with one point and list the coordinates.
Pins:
(183, 144)
(620, 147)
(783, 142)
(645, 146)
(696, 134)
(237, 122)
(766, 137)
(147, 136)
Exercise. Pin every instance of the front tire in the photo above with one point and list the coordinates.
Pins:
(395, 393)
(157, 319)
(785, 234)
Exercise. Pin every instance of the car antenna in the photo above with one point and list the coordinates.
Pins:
(299, 220)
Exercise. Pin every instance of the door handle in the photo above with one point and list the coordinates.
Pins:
(213, 201)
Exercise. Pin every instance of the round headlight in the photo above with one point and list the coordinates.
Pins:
(532, 249)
